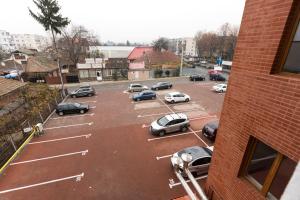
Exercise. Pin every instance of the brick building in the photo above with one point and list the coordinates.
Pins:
(257, 147)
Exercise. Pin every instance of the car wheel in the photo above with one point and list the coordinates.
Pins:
(169, 87)
(61, 113)
(172, 101)
(73, 96)
(187, 100)
(81, 111)
(161, 133)
(156, 88)
(138, 99)
(153, 97)
(89, 95)
(184, 129)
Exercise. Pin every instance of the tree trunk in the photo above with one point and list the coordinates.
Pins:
(58, 64)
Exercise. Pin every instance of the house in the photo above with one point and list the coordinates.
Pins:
(91, 69)
(9, 90)
(41, 69)
(111, 65)
(10, 66)
(137, 52)
(256, 152)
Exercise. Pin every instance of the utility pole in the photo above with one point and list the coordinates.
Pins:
(181, 64)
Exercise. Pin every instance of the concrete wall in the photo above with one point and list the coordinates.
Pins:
(257, 103)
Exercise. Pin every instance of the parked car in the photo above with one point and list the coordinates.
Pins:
(174, 97)
(83, 91)
(161, 86)
(136, 87)
(212, 71)
(220, 87)
(170, 123)
(70, 108)
(201, 157)
(197, 77)
(216, 77)
(210, 130)
(144, 95)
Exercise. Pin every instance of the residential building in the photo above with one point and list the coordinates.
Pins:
(257, 146)
(189, 43)
(115, 64)
(31, 41)
(137, 52)
(91, 69)
(9, 91)
(6, 42)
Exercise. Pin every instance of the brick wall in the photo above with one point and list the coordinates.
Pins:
(258, 102)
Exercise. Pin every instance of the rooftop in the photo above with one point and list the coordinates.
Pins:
(138, 52)
(8, 85)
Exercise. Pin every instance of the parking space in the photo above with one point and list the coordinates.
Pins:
(108, 152)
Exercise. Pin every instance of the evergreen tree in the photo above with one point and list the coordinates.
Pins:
(51, 19)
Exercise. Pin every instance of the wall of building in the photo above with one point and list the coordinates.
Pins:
(138, 75)
(257, 102)
(6, 41)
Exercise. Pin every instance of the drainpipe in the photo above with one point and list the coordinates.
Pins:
(186, 159)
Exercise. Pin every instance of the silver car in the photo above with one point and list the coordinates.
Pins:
(201, 157)
(136, 87)
(170, 123)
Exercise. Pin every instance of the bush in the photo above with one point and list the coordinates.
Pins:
(115, 76)
(167, 72)
(158, 73)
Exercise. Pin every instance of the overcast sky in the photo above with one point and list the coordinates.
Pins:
(133, 20)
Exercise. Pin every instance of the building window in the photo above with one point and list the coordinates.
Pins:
(84, 73)
(292, 61)
(268, 170)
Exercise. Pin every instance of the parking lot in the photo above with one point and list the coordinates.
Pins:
(108, 152)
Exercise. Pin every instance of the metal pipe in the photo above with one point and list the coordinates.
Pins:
(185, 186)
(196, 185)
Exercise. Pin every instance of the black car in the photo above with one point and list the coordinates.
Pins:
(161, 86)
(197, 77)
(216, 77)
(70, 108)
(210, 130)
(83, 91)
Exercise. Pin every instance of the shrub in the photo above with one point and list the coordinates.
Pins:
(176, 72)
(167, 72)
(158, 73)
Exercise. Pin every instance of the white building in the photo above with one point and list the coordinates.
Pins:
(112, 51)
(6, 42)
(31, 41)
(190, 49)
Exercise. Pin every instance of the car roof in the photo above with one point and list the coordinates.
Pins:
(196, 152)
(176, 116)
(174, 93)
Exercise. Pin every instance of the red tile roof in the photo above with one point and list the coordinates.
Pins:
(138, 52)
(152, 58)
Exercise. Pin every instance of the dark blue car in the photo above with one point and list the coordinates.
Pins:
(145, 95)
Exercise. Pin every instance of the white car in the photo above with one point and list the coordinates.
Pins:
(220, 87)
(174, 97)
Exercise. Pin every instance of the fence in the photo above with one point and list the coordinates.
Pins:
(12, 143)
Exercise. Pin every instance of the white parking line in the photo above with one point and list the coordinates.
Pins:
(175, 135)
(166, 105)
(88, 102)
(59, 139)
(76, 177)
(165, 113)
(71, 125)
(92, 107)
(148, 101)
(145, 126)
(198, 137)
(173, 184)
(161, 157)
(83, 153)
(92, 114)
(204, 117)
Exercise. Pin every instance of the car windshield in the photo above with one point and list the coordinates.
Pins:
(162, 121)
(77, 104)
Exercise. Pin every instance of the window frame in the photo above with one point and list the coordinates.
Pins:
(250, 149)
(286, 47)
